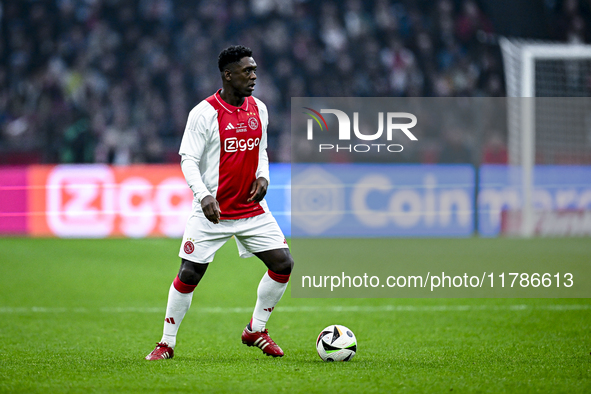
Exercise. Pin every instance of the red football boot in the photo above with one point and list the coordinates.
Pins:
(162, 352)
(261, 340)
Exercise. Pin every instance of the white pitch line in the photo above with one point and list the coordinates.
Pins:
(299, 309)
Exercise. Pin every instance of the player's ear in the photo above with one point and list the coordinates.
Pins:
(227, 75)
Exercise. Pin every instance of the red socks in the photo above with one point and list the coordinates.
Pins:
(183, 287)
(278, 277)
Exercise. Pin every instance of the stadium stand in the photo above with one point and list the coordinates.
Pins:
(112, 81)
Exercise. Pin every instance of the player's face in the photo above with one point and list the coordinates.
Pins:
(243, 76)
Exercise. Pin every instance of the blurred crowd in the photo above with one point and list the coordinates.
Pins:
(112, 81)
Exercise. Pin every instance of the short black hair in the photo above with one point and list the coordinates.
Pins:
(232, 54)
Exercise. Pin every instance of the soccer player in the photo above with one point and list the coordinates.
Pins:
(224, 160)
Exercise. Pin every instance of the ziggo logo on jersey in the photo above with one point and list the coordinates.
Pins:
(234, 144)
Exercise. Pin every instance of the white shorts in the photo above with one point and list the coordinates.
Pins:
(202, 238)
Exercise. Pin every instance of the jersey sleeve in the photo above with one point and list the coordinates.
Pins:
(190, 167)
(195, 139)
(263, 167)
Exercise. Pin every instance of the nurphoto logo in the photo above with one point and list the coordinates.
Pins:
(344, 134)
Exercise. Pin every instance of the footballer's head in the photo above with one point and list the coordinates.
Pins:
(238, 69)
(232, 54)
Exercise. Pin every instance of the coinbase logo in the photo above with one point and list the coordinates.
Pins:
(318, 200)
(393, 125)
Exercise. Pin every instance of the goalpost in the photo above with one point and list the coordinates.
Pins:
(554, 129)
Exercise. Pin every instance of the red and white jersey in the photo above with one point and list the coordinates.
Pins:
(223, 152)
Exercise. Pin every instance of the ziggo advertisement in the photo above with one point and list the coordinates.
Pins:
(98, 201)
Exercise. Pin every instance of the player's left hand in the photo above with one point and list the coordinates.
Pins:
(258, 189)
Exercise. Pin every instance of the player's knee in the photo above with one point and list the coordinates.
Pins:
(191, 273)
(284, 265)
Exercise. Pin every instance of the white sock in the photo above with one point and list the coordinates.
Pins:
(177, 307)
(269, 293)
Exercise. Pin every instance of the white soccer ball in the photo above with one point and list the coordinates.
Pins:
(336, 343)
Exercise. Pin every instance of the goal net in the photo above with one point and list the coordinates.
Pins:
(549, 121)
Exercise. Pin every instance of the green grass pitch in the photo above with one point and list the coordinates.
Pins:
(80, 316)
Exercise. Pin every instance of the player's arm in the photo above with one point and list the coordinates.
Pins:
(211, 209)
(209, 205)
(259, 187)
(192, 148)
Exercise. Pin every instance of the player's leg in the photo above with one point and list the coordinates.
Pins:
(272, 285)
(180, 296)
(262, 237)
(270, 290)
(201, 241)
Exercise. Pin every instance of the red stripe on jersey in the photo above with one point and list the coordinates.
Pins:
(240, 131)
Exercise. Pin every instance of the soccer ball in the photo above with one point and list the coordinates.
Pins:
(336, 343)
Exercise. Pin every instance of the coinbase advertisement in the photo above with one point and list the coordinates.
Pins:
(378, 200)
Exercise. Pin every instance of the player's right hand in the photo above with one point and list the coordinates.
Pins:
(211, 209)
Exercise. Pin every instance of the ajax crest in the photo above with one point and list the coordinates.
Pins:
(253, 123)
(189, 247)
